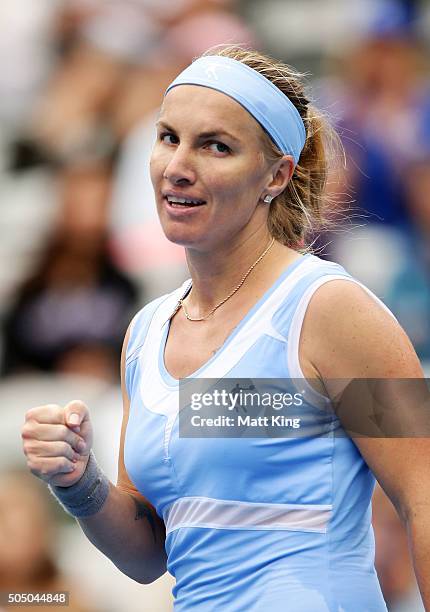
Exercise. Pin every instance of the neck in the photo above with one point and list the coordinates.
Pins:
(215, 274)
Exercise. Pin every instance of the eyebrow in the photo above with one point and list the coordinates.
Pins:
(202, 135)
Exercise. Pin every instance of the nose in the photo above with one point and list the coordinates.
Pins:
(180, 168)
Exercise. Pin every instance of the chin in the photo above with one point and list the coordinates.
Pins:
(180, 236)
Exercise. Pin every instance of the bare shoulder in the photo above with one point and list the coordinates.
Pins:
(348, 333)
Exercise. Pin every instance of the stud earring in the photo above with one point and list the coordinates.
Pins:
(268, 199)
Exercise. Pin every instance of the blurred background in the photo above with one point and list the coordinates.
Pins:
(81, 249)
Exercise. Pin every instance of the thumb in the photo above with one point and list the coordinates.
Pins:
(75, 413)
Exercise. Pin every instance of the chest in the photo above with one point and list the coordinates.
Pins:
(191, 344)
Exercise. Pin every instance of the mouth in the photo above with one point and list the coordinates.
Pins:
(176, 202)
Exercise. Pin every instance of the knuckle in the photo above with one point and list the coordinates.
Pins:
(52, 407)
(29, 415)
(26, 432)
(33, 412)
(28, 448)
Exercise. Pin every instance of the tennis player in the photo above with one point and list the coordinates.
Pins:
(244, 523)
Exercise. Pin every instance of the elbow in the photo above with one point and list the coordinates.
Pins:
(144, 578)
(155, 572)
(146, 575)
(150, 579)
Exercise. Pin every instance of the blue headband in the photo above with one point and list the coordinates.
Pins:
(259, 96)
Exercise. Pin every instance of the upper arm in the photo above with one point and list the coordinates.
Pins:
(349, 335)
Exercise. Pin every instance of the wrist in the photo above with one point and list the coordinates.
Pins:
(87, 496)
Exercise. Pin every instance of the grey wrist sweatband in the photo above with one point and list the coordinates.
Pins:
(87, 496)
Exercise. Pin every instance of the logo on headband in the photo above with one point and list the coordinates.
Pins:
(211, 70)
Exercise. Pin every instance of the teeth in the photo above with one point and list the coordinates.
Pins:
(175, 200)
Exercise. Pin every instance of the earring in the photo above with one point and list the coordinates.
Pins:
(268, 199)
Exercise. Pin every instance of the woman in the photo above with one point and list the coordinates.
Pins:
(243, 523)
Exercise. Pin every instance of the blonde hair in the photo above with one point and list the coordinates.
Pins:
(304, 206)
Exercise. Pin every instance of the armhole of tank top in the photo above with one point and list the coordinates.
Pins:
(129, 350)
(293, 343)
(139, 327)
(141, 323)
(134, 344)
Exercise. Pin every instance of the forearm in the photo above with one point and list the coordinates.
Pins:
(130, 533)
(117, 520)
(418, 528)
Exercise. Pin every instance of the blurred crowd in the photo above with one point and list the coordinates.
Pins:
(81, 249)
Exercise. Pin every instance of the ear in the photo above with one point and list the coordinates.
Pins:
(281, 171)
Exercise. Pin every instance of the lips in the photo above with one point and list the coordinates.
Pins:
(176, 201)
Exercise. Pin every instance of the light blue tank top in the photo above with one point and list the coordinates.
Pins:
(255, 523)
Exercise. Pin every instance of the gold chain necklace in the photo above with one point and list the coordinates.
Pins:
(244, 277)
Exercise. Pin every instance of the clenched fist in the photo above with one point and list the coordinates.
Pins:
(57, 442)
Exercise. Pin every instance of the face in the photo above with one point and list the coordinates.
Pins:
(208, 151)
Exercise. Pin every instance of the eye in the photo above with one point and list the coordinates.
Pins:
(218, 147)
(169, 138)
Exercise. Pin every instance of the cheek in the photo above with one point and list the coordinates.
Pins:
(243, 182)
(156, 166)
